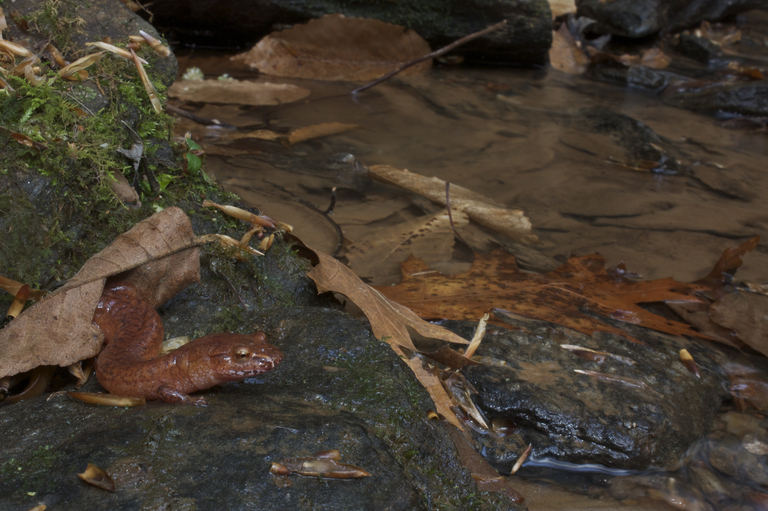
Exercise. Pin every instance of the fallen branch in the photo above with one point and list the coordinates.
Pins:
(434, 54)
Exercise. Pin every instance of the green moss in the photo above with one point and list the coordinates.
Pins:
(66, 210)
(58, 21)
(33, 473)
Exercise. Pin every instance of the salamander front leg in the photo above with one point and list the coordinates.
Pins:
(173, 396)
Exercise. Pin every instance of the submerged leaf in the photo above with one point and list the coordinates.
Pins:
(95, 476)
(318, 131)
(481, 209)
(494, 282)
(338, 48)
(236, 92)
(378, 255)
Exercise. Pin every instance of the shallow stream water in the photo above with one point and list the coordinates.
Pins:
(520, 138)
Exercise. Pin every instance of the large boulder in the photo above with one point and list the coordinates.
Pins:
(633, 18)
(525, 41)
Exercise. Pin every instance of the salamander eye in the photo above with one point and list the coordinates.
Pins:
(242, 354)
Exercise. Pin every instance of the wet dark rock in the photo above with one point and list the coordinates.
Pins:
(525, 41)
(627, 416)
(698, 48)
(733, 460)
(632, 18)
(709, 483)
(220, 456)
(612, 134)
(743, 98)
(337, 388)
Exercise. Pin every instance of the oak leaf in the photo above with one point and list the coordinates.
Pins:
(59, 329)
(389, 322)
(338, 48)
(494, 282)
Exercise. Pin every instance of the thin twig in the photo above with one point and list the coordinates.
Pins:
(434, 54)
(333, 202)
(235, 290)
(450, 216)
(196, 118)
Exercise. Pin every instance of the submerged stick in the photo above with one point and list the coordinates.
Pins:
(433, 54)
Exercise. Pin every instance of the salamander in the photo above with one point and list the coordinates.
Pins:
(130, 364)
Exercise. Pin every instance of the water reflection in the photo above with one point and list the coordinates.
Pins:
(597, 167)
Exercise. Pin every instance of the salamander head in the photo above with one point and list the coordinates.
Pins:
(230, 357)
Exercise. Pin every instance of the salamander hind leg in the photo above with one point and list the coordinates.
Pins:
(173, 396)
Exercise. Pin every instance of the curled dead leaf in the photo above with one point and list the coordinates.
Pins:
(15, 49)
(95, 476)
(156, 45)
(81, 64)
(151, 92)
(117, 51)
(323, 464)
(95, 398)
(17, 305)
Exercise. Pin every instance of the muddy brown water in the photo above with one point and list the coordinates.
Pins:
(517, 137)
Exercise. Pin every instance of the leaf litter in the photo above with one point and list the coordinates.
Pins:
(495, 282)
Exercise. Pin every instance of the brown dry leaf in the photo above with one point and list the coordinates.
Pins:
(655, 58)
(319, 130)
(95, 476)
(81, 64)
(564, 54)
(59, 329)
(430, 238)
(722, 35)
(729, 261)
(15, 49)
(388, 319)
(3, 23)
(263, 135)
(481, 209)
(122, 188)
(389, 322)
(236, 92)
(338, 48)
(122, 52)
(25, 140)
(746, 314)
(11, 286)
(95, 398)
(560, 7)
(494, 282)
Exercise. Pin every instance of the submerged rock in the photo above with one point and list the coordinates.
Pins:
(744, 98)
(632, 409)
